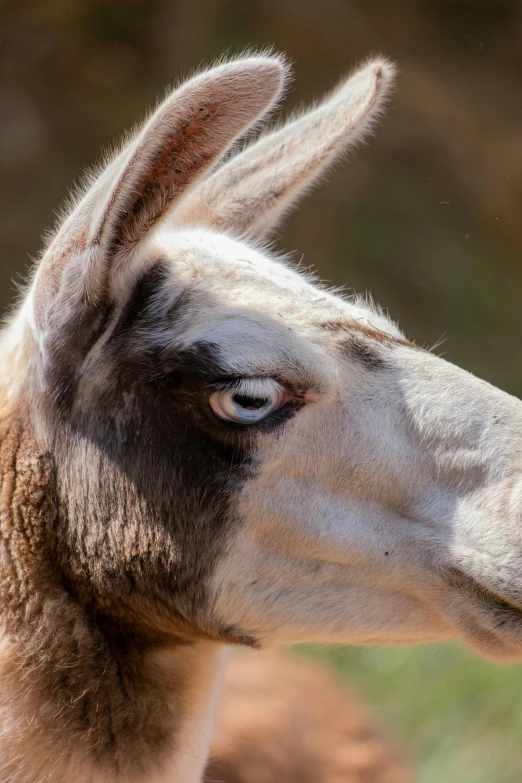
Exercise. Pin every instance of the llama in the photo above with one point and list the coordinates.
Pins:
(201, 448)
(281, 719)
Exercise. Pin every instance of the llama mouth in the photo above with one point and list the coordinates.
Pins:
(486, 596)
(490, 621)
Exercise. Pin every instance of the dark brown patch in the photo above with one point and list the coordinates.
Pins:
(139, 303)
(66, 356)
(82, 685)
(364, 351)
(364, 343)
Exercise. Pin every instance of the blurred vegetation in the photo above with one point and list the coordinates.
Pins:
(459, 718)
(426, 217)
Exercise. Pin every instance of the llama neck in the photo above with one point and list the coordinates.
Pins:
(79, 699)
(203, 669)
(40, 740)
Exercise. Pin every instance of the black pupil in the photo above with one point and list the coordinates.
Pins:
(251, 403)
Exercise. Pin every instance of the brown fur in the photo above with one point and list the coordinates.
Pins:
(80, 689)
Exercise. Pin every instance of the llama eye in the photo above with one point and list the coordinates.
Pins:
(249, 401)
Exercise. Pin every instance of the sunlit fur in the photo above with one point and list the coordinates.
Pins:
(140, 534)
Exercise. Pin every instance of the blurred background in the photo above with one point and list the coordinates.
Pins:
(426, 217)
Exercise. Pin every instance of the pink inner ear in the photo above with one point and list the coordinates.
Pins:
(177, 163)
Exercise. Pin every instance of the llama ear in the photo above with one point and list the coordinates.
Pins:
(250, 193)
(188, 132)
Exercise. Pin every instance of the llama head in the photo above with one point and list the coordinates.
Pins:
(240, 454)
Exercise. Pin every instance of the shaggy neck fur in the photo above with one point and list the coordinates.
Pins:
(81, 700)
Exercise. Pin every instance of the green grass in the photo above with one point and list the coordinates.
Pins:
(459, 718)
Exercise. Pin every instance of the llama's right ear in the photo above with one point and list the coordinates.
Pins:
(189, 131)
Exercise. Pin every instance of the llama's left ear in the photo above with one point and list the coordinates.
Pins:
(186, 135)
(250, 193)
